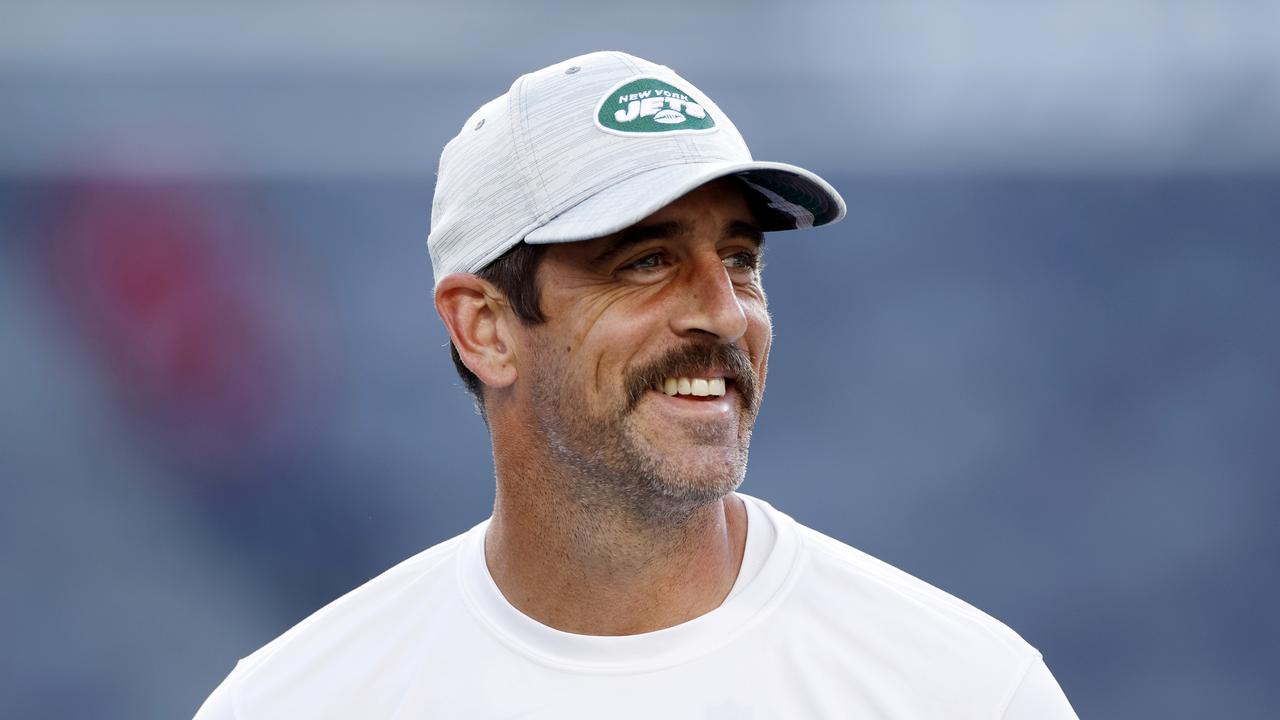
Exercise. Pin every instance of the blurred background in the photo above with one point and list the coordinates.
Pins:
(1036, 366)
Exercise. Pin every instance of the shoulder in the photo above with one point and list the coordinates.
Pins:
(330, 646)
(370, 604)
(916, 637)
(878, 587)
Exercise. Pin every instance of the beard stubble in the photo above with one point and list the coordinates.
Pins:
(611, 466)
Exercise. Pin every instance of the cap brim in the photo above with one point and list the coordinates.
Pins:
(787, 197)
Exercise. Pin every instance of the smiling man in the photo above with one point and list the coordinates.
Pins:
(596, 239)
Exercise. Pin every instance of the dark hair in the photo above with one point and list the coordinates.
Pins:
(514, 274)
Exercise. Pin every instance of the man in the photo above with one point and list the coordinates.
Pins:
(596, 239)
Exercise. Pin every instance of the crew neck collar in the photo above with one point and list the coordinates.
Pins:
(745, 606)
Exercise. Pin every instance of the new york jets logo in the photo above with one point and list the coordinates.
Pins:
(648, 105)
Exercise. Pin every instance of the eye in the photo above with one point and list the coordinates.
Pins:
(652, 261)
(743, 260)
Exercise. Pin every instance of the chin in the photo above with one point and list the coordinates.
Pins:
(671, 492)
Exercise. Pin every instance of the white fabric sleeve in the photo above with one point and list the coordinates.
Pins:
(1039, 697)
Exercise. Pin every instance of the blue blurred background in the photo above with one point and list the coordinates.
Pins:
(1036, 366)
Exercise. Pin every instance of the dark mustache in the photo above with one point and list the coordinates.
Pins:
(692, 361)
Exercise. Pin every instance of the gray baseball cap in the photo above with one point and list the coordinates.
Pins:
(593, 145)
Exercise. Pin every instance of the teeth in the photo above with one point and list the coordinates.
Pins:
(698, 387)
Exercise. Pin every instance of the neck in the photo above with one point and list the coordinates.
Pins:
(596, 570)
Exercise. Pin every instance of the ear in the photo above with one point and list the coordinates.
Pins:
(477, 317)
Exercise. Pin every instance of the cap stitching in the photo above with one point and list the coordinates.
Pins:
(627, 61)
(524, 155)
(535, 161)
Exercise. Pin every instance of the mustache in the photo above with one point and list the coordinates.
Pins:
(693, 360)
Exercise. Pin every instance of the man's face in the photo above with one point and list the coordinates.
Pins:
(672, 304)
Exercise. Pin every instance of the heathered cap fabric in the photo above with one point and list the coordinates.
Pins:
(590, 146)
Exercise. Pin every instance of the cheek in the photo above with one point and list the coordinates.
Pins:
(618, 331)
(759, 329)
(591, 319)
(759, 342)
(593, 357)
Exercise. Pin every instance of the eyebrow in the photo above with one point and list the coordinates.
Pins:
(744, 230)
(637, 234)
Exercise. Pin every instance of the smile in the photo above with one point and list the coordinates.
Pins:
(697, 387)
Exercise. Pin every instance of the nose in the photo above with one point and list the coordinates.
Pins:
(708, 303)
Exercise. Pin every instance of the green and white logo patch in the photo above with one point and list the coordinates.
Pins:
(648, 105)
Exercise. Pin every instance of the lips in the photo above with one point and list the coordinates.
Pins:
(697, 364)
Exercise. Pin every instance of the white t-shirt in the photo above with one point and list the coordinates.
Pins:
(812, 629)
